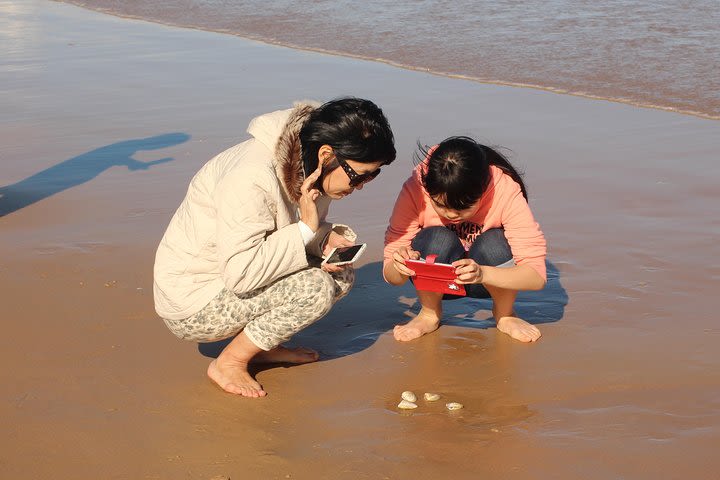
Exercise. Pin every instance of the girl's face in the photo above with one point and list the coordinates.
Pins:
(454, 216)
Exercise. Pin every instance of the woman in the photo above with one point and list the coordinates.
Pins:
(241, 256)
(468, 205)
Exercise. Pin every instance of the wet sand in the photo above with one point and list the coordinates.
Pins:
(623, 384)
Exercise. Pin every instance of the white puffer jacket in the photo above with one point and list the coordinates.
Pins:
(238, 224)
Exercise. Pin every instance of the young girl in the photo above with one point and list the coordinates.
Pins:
(468, 205)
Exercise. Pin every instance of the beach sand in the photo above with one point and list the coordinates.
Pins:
(623, 384)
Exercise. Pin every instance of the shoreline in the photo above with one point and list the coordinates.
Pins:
(550, 89)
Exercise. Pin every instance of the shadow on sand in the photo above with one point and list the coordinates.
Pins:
(373, 308)
(83, 168)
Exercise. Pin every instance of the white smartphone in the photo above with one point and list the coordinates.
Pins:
(345, 255)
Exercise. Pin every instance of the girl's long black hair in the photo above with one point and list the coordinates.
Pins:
(458, 171)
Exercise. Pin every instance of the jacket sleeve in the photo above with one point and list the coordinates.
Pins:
(523, 233)
(252, 253)
(315, 247)
(405, 221)
(316, 244)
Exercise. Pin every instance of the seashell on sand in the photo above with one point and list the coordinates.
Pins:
(409, 396)
(405, 405)
(453, 406)
(431, 397)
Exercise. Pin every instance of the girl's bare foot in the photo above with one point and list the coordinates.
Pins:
(425, 322)
(282, 354)
(233, 377)
(518, 329)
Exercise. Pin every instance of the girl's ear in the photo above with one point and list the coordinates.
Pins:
(325, 154)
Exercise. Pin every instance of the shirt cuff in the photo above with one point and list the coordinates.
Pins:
(306, 232)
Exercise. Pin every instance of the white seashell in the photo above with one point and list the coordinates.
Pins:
(409, 396)
(431, 397)
(454, 406)
(405, 405)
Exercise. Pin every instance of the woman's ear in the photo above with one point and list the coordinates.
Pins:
(325, 154)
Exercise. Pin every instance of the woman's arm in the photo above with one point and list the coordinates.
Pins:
(249, 255)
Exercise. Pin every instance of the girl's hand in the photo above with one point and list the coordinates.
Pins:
(467, 271)
(400, 255)
(308, 197)
(335, 240)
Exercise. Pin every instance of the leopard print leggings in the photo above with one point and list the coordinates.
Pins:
(269, 315)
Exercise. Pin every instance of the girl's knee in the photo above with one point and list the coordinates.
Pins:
(491, 248)
(493, 235)
(438, 241)
(435, 234)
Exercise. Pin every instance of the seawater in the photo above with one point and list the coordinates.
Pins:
(663, 54)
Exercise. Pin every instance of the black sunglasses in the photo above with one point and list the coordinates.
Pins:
(356, 178)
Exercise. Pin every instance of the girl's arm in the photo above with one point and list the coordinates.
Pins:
(404, 225)
(519, 277)
(392, 276)
(526, 240)
(395, 271)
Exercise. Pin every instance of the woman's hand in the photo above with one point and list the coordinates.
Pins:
(335, 240)
(330, 268)
(400, 255)
(308, 197)
(467, 271)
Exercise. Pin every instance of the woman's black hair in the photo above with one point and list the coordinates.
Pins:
(355, 128)
(458, 171)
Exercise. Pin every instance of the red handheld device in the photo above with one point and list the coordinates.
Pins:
(435, 277)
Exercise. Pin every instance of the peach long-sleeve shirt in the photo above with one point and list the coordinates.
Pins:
(502, 205)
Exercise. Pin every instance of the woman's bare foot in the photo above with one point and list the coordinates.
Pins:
(233, 377)
(425, 322)
(518, 329)
(230, 369)
(282, 354)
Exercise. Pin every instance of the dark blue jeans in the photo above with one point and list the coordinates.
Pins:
(490, 248)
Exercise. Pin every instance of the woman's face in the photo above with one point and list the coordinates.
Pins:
(336, 183)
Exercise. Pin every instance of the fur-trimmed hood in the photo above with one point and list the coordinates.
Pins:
(280, 131)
